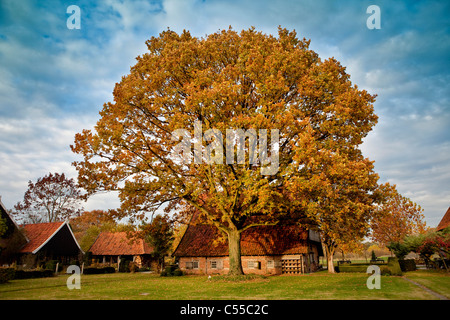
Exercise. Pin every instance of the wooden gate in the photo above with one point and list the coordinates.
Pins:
(292, 266)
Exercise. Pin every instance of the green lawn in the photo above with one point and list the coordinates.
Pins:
(320, 285)
(436, 280)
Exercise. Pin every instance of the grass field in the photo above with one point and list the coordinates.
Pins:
(320, 285)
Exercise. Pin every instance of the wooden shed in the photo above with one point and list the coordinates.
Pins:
(49, 241)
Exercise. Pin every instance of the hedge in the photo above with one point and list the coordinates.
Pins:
(407, 265)
(29, 274)
(362, 268)
(394, 266)
(6, 274)
(92, 270)
(391, 268)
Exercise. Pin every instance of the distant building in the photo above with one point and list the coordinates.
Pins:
(445, 222)
(31, 245)
(111, 247)
(49, 241)
(12, 240)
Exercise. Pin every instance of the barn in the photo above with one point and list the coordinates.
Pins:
(113, 247)
(445, 221)
(49, 241)
(279, 249)
(31, 245)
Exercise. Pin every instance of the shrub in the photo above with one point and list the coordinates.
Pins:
(171, 270)
(407, 265)
(394, 266)
(133, 267)
(51, 265)
(124, 266)
(6, 274)
(178, 273)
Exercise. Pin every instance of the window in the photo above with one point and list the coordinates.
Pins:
(253, 264)
(192, 264)
(270, 264)
(216, 264)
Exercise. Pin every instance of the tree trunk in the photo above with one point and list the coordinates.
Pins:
(330, 251)
(234, 252)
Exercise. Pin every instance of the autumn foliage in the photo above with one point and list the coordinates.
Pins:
(51, 198)
(230, 80)
(396, 218)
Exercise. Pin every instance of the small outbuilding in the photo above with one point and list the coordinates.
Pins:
(31, 245)
(49, 241)
(112, 247)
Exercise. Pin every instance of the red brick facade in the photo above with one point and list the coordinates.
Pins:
(264, 250)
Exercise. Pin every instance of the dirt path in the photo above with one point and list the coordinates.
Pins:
(438, 295)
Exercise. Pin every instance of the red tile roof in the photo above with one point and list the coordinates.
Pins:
(205, 240)
(445, 222)
(39, 234)
(117, 243)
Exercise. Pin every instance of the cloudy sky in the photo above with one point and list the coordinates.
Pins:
(54, 80)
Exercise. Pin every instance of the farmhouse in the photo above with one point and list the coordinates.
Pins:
(112, 247)
(11, 240)
(445, 222)
(280, 249)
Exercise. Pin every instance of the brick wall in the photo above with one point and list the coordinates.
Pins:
(220, 265)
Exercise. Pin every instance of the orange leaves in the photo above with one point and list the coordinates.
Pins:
(396, 217)
(235, 80)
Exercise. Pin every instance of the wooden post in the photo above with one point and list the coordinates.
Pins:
(57, 265)
(82, 268)
(301, 262)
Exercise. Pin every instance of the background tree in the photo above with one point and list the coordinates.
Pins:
(396, 218)
(345, 202)
(90, 224)
(434, 243)
(230, 80)
(52, 198)
(159, 234)
(351, 248)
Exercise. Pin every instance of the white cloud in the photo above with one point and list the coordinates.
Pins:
(54, 80)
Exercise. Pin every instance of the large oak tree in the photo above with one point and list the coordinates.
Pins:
(230, 80)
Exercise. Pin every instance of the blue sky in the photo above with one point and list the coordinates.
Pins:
(54, 81)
